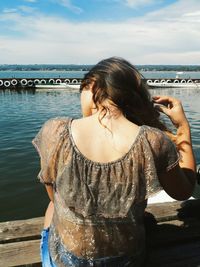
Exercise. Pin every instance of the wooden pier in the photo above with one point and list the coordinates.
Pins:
(173, 237)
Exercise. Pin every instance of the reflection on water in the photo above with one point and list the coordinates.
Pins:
(21, 196)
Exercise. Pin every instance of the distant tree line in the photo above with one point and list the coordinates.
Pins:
(169, 67)
(44, 67)
(73, 67)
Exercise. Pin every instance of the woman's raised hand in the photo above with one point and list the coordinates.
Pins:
(173, 108)
(179, 182)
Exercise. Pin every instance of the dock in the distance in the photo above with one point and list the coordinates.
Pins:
(74, 83)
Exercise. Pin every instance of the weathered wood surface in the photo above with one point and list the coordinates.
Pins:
(20, 230)
(173, 237)
(19, 242)
(19, 253)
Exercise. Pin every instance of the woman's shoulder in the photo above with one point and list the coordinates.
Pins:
(57, 121)
(53, 124)
(155, 133)
(53, 128)
(158, 139)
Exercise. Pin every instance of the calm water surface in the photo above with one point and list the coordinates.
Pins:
(80, 74)
(41, 74)
(22, 115)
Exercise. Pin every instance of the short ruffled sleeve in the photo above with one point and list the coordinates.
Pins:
(162, 151)
(48, 143)
(167, 156)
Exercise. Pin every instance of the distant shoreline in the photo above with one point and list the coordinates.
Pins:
(41, 67)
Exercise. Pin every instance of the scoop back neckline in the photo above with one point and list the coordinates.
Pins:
(79, 153)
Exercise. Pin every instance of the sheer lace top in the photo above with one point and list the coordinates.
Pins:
(99, 206)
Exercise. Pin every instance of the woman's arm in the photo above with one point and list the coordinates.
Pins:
(49, 189)
(48, 215)
(178, 182)
(50, 209)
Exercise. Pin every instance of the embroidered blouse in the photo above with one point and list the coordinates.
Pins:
(99, 207)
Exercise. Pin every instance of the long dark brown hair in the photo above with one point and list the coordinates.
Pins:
(117, 80)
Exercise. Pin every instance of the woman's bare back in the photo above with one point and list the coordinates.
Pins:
(102, 143)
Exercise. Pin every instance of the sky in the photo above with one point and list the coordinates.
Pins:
(86, 31)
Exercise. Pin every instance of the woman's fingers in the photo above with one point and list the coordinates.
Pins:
(164, 104)
(172, 107)
(166, 100)
(171, 103)
(162, 108)
(163, 98)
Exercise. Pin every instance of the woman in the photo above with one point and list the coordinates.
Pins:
(100, 170)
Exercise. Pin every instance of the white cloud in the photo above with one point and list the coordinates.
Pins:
(175, 11)
(68, 4)
(167, 36)
(30, 1)
(26, 9)
(133, 3)
(139, 3)
(192, 14)
(182, 57)
(9, 10)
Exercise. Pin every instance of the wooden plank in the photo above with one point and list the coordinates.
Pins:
(39, 264)
(20, 253)
(21, 230)
(175, 210)
(164, 211)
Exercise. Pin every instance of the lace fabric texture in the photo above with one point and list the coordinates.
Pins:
(99, 207)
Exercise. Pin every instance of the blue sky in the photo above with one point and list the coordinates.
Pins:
(85, 31)
(85, 10)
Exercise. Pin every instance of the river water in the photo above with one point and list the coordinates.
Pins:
(22, 115)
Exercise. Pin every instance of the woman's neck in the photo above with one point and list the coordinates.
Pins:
(109, 118)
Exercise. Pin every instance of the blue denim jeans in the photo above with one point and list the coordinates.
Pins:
(70, 260)
(44, 250)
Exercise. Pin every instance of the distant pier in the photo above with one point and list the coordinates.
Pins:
(28, 83)
(33, 83)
